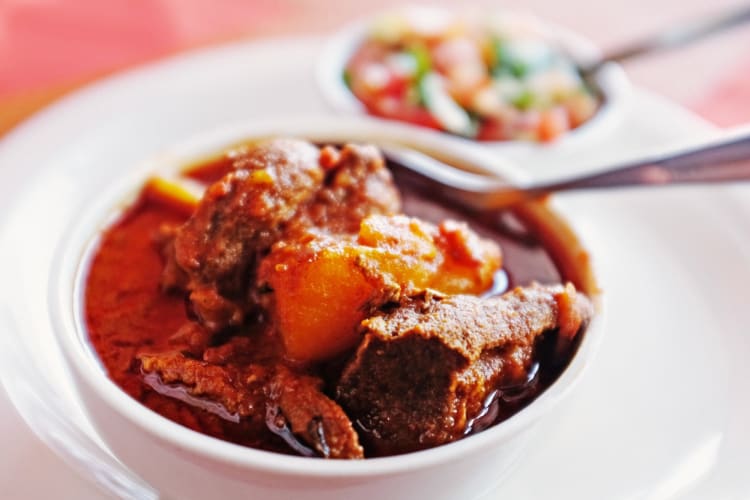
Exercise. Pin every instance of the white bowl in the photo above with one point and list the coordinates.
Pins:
(611, 79)
(182, 463)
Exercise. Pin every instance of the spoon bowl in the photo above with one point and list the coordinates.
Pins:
(726, 159)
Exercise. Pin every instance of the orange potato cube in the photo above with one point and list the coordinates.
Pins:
(317, 300)
(324, 286)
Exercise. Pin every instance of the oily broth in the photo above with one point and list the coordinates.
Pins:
(130, 315)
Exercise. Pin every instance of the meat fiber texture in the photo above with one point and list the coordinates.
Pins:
(425, 368)
(261, 399)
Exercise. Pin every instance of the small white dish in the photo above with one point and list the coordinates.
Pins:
(611, 79)
(182, 463)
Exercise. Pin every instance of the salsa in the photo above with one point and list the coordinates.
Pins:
(306, 305)
(497, 78)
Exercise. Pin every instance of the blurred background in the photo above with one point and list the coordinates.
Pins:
(49, 47)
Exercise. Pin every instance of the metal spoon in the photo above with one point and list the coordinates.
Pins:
(671, 38)
(723, 160)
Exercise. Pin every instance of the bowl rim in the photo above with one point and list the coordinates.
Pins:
(611, 79)
(75, 248)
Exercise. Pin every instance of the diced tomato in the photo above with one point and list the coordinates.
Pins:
(492, 130)
(370, 81)
(402, 111)
(397, 85)
(389, 98)
(553, 123)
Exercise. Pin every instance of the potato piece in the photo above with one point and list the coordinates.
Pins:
(180, 192)
(401, 249)
(319, 293)
(324, 286)
(450, 258)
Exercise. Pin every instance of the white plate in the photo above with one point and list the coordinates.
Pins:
(663, 411)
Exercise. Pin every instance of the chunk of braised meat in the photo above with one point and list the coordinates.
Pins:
(191, 338)
(231, 392)
(299, 404)
(357, 184)
(239, 217)
(263, 399)
(425, 369)
(278, 189)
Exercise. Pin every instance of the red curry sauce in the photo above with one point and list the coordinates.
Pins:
(127, 313)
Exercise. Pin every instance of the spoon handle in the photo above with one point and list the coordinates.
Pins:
(675, 37)
(722, 161)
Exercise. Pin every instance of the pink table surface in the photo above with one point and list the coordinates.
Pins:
(47, 44)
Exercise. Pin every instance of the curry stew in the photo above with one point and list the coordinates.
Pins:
(305, 304)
